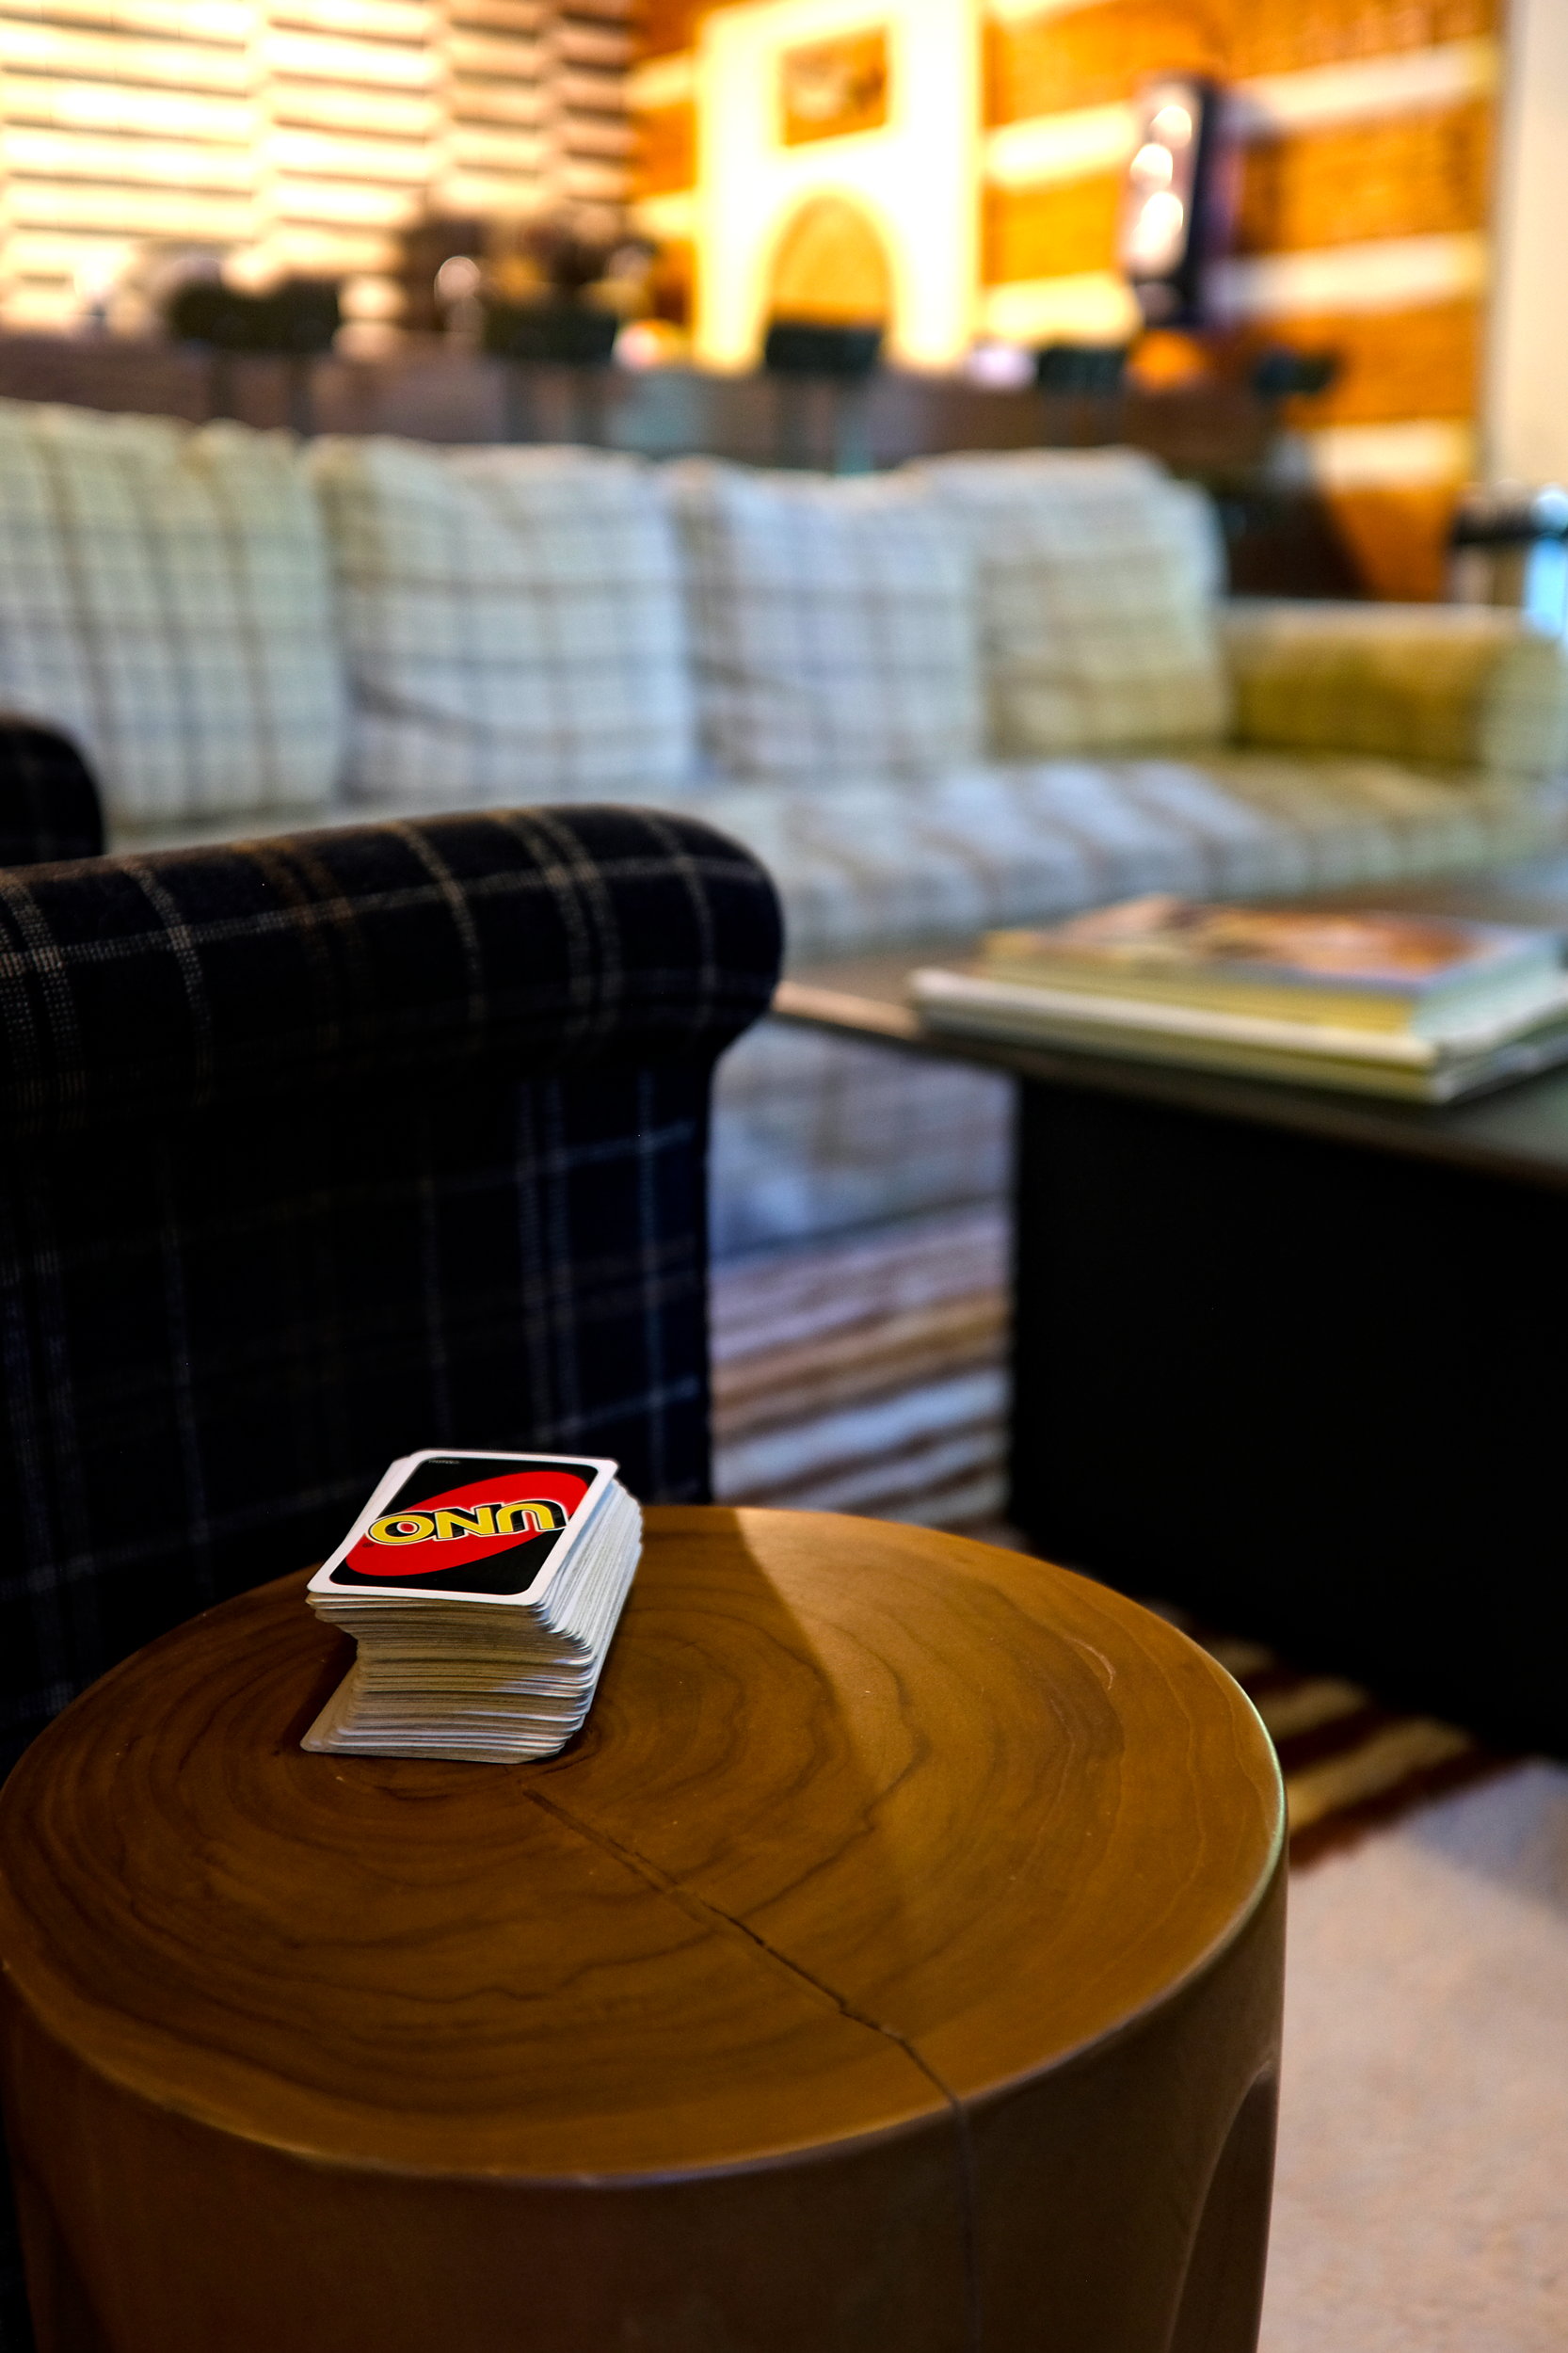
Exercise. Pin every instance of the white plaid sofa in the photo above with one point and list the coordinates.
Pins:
(979, 691)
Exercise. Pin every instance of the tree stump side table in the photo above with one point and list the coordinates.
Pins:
(893, 1962)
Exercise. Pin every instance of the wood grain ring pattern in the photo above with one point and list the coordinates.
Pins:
(890, 1960)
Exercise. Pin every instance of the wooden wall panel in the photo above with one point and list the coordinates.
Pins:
(1414, 175)
(664, 157)
(1052, 232)
(1090, 56)
(674, 285)
(1398, 537)
(1287, 36)
(664, 28)
(1393, 364)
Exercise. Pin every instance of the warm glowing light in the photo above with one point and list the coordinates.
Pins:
(364, 298)
(458, 280)
(640, 344)
(1156, 238)
(250, 270)
(1172, 126)
(98, 273)
(1154, 166)
(1000, 367)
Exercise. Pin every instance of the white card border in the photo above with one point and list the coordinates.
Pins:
(603, 1468)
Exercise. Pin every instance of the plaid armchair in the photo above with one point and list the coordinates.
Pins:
(325, 1147)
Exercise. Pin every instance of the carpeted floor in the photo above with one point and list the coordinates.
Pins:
(1422, 2193)
(866, 1374)
(1421, 2198)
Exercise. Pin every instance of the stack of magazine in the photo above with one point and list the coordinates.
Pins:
(483, 1590)
(1423, 1006)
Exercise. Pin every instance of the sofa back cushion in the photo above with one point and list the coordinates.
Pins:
(833, 624)
(165, 601)
(1098, 576)
(513, 623)
(1456, 686)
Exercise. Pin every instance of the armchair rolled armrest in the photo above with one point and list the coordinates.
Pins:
(1458, 686)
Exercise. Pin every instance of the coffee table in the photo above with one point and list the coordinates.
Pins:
(894, 1961)
(1289, 1357)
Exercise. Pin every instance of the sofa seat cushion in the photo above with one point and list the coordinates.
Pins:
(1096, 581)
(833, 624)
(165, 601)
(514, 625)
(875, 864)
(816, 1134)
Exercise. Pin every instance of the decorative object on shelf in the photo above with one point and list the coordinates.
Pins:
(538, 305)
(299, 315)
(569, 334)
(424, 250)
(1282, 373)
(1080, 367)
(811, 347)
(1171, 359)
(297, 320)
(1175, 208)
(999, 366)
(459, 284)
(816, 363)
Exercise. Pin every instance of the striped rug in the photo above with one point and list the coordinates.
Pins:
(868, 1374)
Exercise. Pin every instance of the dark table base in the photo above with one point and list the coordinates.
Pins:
(1311, 1391)
(1294, 1359)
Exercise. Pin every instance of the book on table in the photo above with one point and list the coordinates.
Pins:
(482, 1591)
(1423, 1006)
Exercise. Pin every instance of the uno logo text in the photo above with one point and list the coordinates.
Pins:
(531, 1517)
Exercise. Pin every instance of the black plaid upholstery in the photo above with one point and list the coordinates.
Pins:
(49, 805)
(323, 1149)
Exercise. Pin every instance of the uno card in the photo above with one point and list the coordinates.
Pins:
(491, 1525)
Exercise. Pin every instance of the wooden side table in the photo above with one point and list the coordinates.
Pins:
(893, 1962)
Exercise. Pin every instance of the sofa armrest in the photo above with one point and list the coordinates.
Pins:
(1461, 686)
(49, 805)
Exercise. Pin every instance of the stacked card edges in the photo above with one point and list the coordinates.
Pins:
(457, 1675)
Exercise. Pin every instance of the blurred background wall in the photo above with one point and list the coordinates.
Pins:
(291, 135)
(951, 171)
(1362, 209)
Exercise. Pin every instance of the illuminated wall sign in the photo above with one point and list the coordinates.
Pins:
(831, 88)
(1173, 202)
